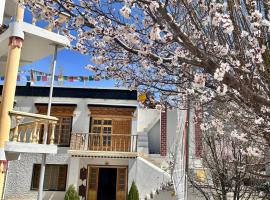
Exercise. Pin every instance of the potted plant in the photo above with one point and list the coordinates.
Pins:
(133, 192)
(71, 194)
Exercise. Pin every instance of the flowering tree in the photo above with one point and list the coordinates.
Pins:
(228, 173)
(201, 50)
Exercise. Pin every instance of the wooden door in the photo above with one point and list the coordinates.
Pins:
(92, 183)
(121, 185)
(122, 131)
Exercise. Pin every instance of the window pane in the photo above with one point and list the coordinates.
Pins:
(96, 129)
(107, 130)
(107, 122)
(55, 177)
(63, 130)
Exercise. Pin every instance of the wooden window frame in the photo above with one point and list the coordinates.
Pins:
(49, 189)
(102, 126)
(59, 110)
(71, 123)
(48, 138)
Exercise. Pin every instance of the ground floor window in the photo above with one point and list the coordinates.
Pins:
(55, 177)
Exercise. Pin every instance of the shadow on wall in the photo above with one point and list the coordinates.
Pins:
(154, 139)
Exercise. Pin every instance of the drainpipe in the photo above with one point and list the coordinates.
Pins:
(43, 163)
(9, 87)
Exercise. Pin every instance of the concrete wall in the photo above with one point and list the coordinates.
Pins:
(154, 132)
(147, 177)
(174, 122)
(171, 127)
(154, 139)
(146, 117)
(19, 177)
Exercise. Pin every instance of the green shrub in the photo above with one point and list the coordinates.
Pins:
(133, 192)
(71, 193)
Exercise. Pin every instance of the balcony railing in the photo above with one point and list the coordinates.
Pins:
(103, 142)
(29, 128)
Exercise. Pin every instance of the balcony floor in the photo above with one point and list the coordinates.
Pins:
(20, 147)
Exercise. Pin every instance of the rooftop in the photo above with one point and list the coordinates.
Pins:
(76, 92)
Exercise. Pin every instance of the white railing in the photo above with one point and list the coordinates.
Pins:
(29, 127)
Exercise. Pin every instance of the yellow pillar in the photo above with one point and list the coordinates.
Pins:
(9, 87)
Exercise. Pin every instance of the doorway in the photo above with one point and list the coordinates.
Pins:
(107, 184)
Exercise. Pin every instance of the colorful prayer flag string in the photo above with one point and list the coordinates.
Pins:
(37, 76)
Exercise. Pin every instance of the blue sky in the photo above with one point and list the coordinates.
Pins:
(71, 63)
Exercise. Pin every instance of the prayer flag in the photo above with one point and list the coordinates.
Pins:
(44, 78)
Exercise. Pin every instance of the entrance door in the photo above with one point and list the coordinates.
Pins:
(107, 183)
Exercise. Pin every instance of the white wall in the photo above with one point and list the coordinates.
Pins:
(154, 139)
(19, 177)
(171, 127)
(145, 117)
(154, 132)
(147, 176)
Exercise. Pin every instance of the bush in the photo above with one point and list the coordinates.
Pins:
(71, 193)
(133, 192)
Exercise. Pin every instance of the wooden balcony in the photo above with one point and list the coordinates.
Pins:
(29, 127)
(103, 142)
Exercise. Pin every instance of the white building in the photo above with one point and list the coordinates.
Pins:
(100, 133)
(99, 140)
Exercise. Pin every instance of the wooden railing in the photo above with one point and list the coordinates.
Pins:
(29, 128)
(103, 142)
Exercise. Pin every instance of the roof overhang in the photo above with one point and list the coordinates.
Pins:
(38, 43)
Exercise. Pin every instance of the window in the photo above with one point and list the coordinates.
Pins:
(63, 130)
(55, 177)
(102, 127)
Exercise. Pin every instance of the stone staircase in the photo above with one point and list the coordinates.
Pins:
(166, 193)
(155, 159)
(143, 144)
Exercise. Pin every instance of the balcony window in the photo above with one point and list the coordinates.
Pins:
(62, 131)
(63, 128)
(102, 127)
(54, 180)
